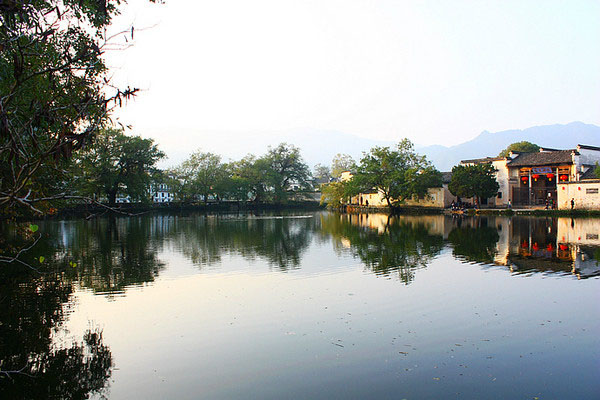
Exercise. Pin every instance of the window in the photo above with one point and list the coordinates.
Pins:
(591, 191)
(499, 195)
(591, 236)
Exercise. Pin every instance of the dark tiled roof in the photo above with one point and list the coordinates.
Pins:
(542, 158)
(587, 147)
(446, 177)
(481, 160)
(589, 174)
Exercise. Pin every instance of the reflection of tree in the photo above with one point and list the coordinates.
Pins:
(32, 310)
(400, 247)
(474, 244)
(111, 253)
(279, 240)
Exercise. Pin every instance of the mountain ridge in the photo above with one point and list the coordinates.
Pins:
(559, 136)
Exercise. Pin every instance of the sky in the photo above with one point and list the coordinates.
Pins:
(437, 72)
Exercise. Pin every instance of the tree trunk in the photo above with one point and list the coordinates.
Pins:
(112, 197)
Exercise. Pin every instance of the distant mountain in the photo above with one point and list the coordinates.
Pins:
(320, 146)
(492, 143)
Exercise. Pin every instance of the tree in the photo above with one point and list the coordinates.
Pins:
(341, 163)
(398, 174)
(322, 173)
(207, 173)
(286, 167)
(114, 164)
(334, 193)
(255, 175)
(522, 147)
(55, 91)
(476, 180)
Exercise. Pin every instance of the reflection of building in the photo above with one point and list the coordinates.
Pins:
(561, 245)
(523, 244)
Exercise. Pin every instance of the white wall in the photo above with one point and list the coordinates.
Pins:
(585, 193)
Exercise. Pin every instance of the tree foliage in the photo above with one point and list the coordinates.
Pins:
(341, 163)
(55, 91)
(116, 164)
(285, 167)
(322, 173)
(476, 180)
(202, 174)
(398, 174)
(263, 179)
(522, 147)
(334, 193)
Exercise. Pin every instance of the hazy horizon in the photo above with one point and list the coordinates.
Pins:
(434, 72)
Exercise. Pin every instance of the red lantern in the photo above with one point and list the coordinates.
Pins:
(549, 176)
(535, 177)
(563, 247)
(524, 179)
(564, 177)
(535, 246)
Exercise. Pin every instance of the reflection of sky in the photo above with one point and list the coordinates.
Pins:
(330, 329)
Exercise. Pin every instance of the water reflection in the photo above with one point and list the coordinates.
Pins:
(32, 311)
(386, 244)
(523, 244)
(474, 243)
(108, 254)
(111, 255)
(279, 240)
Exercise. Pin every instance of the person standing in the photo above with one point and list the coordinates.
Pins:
(572, 203)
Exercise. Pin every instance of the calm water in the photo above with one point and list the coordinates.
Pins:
(305, 306)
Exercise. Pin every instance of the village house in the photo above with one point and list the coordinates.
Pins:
(548, 177)
(161, 193)
(439, 197)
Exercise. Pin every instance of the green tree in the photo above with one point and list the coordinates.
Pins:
(116, 164)
(341, 163)
(399, 174)
(285, 167)
(522, 147)
(255, 175)
(55, 91)
(334, 193)
(208, 173)
(478, 180)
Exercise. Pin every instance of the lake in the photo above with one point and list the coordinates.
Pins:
(314, 305)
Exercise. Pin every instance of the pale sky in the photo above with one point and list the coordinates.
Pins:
(437, 72)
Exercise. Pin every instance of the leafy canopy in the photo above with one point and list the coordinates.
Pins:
(476, 180)
(55, 91)
(399, 173)
(116, 164)
(523, 147)
(341, 163)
